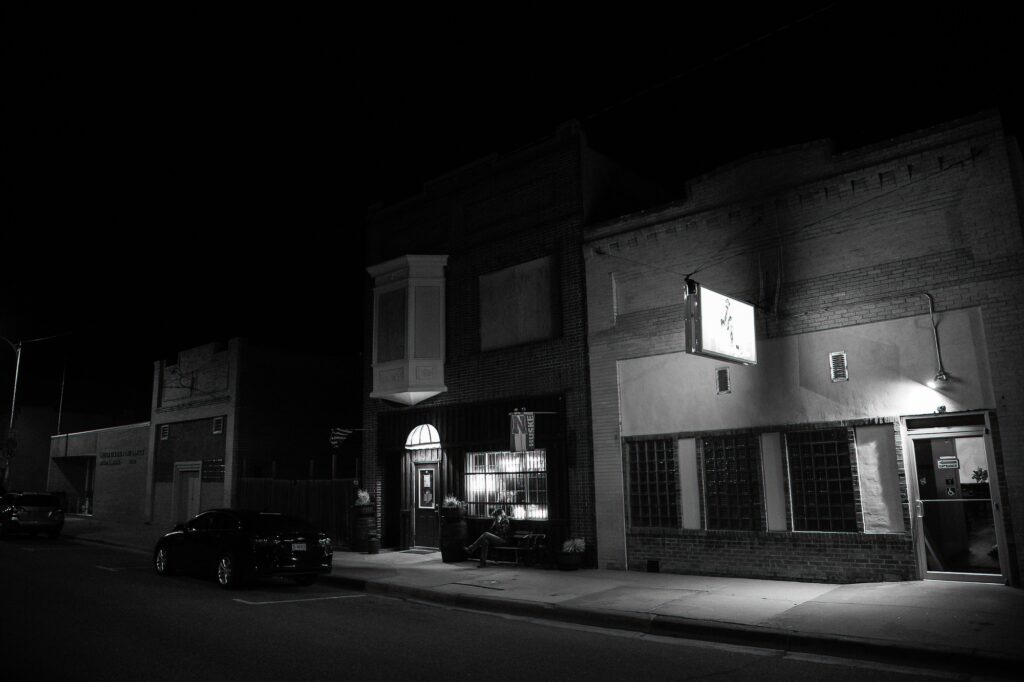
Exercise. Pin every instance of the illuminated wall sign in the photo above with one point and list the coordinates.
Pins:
(718, 326)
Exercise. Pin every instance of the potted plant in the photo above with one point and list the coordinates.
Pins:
(571, 556)
(453, 529)
(452, 508)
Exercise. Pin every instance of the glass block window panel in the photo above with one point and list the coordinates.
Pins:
(732, 482)
(821, 480)
(653, 483)
(515, 481)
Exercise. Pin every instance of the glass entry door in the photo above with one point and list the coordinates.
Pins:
(426, 528)
(959, 528)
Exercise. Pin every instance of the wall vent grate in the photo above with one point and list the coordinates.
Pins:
(839, 368)
(723, 381)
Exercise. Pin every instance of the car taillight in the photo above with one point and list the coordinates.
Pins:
(326, 545)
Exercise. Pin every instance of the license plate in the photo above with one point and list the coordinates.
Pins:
(298, 546)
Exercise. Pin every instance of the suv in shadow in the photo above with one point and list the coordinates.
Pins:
(31, 513)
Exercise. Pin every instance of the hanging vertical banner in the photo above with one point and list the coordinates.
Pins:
(523, 431)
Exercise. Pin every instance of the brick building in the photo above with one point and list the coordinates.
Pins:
(101, 472)
(877, 435)
(229, 419)
(232, 423)
(477, 312)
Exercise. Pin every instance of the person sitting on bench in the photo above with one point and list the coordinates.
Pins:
(497, 535)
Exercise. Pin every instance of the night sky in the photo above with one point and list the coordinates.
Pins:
(176, 176)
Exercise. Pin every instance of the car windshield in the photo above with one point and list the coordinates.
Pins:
(37, 501)
(278, 523)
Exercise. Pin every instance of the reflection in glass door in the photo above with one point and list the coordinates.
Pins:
(956, 506)
(426, 528)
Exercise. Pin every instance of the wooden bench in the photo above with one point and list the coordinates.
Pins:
(524, 548)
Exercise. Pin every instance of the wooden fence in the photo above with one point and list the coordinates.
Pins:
(326, 503)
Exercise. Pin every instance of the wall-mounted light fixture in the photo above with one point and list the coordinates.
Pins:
(941, 377)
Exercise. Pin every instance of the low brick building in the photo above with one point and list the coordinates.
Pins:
(232, 423)
(873, 430)
(101, 472)
(229, 419)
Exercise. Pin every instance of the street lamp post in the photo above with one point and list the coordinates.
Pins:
(9, 444)
(14, 392)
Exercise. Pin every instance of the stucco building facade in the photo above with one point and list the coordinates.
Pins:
(878, 434)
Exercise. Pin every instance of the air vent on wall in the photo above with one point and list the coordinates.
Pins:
(722, 380)
(837, 363)
(218, 424)
(165, 432)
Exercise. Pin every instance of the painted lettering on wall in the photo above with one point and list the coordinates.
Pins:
(119, 457)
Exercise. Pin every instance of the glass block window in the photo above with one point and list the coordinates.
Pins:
(516, 481)
(653, 483)
(821, 480)
(732, 482)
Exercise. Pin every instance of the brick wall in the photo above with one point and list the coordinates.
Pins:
(822, 242)
(826, 557)
(491, 215)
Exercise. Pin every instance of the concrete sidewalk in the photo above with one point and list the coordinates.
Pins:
(962, 628)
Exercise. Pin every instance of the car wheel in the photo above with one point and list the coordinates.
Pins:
(305, 580)
(162, 561)
(228, 575)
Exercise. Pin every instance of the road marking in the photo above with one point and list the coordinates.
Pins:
(292, 601)
(115, 569)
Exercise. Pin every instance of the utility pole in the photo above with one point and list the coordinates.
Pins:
(10, 443)
(14, 393)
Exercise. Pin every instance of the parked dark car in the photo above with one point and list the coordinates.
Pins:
(31, 513)
(236, 545)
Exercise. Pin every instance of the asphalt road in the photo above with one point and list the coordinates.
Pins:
(81, 611)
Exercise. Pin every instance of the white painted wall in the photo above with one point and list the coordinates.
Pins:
(889, 364)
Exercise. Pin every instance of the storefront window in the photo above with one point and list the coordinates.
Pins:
(653, 483)
(821, 480)
(732, 482)
(516, 481)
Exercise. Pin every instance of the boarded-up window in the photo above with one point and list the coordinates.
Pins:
(516, 305)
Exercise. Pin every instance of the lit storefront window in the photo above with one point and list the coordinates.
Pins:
(516, 481)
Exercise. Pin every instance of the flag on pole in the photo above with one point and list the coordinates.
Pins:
(338, 436)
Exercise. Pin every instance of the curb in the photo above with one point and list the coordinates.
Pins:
(946, 659)
(112, 543)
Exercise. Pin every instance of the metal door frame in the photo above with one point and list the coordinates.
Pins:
(417, 467)
(917, 506)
